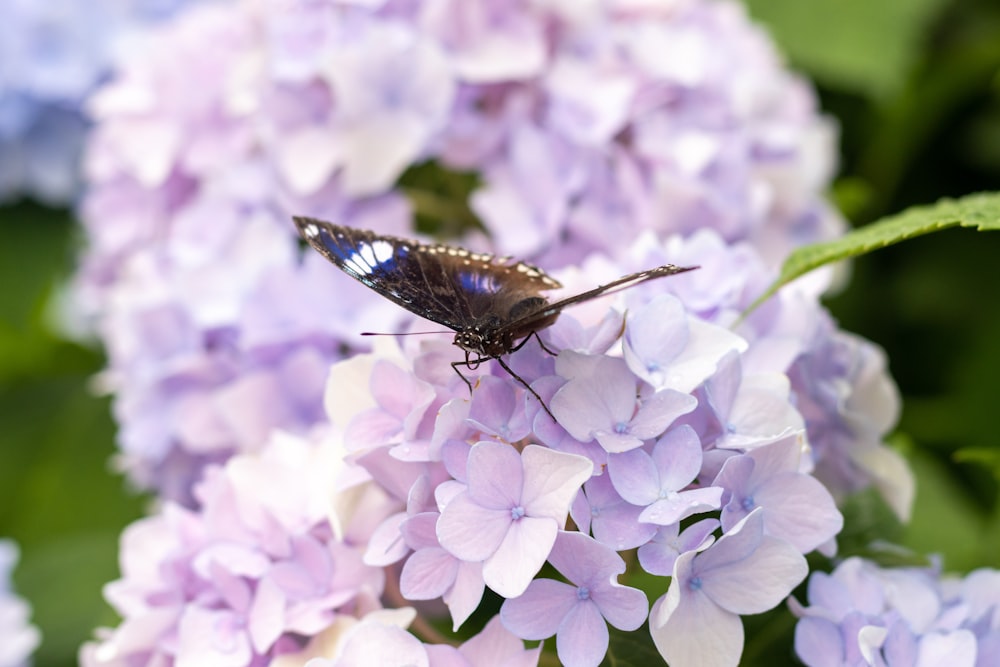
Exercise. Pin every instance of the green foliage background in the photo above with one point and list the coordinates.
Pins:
(915, 87)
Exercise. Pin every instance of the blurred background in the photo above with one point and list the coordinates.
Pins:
(915, 88)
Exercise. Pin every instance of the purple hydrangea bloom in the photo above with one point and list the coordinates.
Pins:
(659, 554)
(577, 612)
(54, 54)
(746, 571)
(510, 514)
(219, 332)
(192, 271)
(261, 566)
(862, 614)
(500, 502)
(18, 638)
(838, 383)
(770, 478)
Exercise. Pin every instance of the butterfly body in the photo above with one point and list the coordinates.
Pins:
(493, 304)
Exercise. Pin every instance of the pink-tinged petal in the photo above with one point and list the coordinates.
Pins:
(212, 638)
(583, 637)
(455, 457)
(427, 574)
(798, 509)
(623, 607)
(266, 620)
(955, 649)
(420, 530)
(372, 643)
(520, 556)
(303, 167)
(386, 545)
(466, 593)
(587, 119)
(759, 582)
(635, 477)
(495, 475)
(495, 645)
(443, 655)
(471, 532)
(551, 481)
(538, 613)
(695, 631)
(372, 428)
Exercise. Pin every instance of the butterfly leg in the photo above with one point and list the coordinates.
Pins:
(526, 386)
(467, 364)
(540, 342)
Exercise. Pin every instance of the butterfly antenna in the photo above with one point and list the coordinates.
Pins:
(620, 285)
(407, 333)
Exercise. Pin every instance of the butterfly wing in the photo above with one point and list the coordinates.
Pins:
(445, 284)
(545, 314)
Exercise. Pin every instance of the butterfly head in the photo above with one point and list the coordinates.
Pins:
(486, 338)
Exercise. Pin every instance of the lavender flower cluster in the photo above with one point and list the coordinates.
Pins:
(54, 54)
(684, 421)
(237, 116)
(862, 614)
(18, 638)
(714, 447)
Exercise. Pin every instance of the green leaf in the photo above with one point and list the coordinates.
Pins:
(631, 649)
(988, 457)
(851, 45)
(981, 211)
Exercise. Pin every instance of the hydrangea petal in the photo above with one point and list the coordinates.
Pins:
(538, 612)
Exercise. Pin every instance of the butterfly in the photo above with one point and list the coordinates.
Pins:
(493, 304)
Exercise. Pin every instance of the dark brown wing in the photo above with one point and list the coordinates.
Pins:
(445, 284)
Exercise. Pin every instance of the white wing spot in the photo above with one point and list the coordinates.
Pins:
(367, 255)
(382, 250)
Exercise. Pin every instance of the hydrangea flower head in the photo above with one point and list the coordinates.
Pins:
(319, 108)
(661, 410)
(501, 509)
(245, 578)
(54, 54)
(865, 614)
